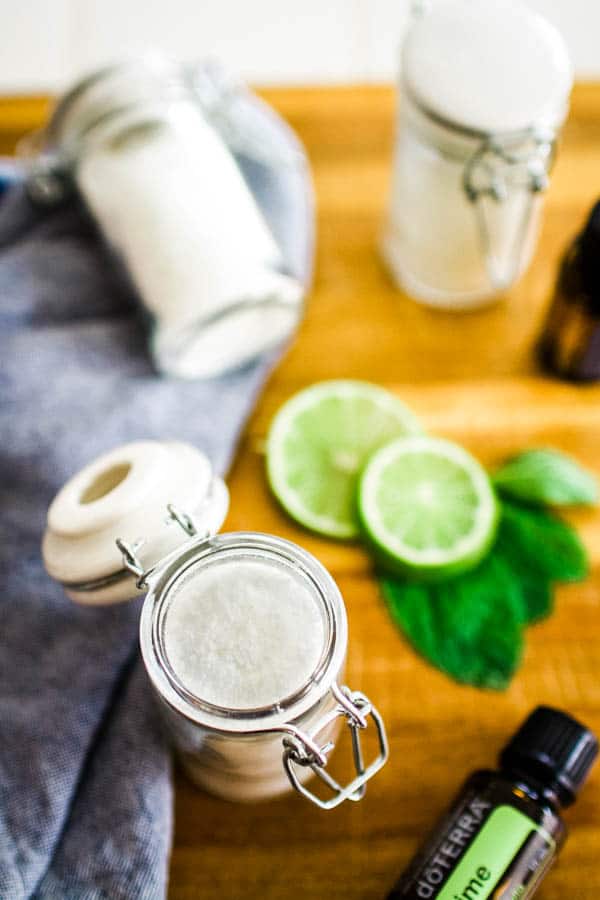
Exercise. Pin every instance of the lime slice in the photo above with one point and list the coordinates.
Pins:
(318, 443)
(427, 507)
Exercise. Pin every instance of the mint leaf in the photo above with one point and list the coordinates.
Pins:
(534, 583)
(537, 541)
(537, 595)
(547, 478)
(411, 608)
(469, 626)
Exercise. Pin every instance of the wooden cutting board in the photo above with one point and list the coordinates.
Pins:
(472, 378)
(438, 730)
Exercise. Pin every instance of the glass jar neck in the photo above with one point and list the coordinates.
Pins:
(114, 100)
(231, 549)
(458, 142)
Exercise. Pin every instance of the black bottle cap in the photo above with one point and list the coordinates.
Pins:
(589, 255)
(555, 750)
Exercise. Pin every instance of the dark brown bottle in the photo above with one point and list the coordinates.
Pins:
(570, 342)
(504, 829)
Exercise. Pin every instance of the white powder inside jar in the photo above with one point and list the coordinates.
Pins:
(244, 634)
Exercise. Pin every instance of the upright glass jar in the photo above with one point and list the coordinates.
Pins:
(484, 90)
(171, 201)
(243, 635)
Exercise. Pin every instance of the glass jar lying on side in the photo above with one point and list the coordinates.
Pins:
(243, 635)
(170, 199)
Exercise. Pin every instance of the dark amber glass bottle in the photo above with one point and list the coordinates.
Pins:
(570, 342)
(504, 829)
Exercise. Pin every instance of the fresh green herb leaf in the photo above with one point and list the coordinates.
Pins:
(537, 595)
(411, 608)
(528, 568)
(538, 541)
(547, 478)
(469, 627)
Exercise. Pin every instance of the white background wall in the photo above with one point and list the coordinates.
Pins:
(46, 43)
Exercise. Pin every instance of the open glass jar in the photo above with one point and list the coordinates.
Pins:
(243, 636)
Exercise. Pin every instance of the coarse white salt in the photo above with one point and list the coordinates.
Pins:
(244, 633)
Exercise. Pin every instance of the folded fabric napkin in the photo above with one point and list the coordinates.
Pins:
(85, 791)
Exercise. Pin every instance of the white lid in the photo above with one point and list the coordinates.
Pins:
(124, 494)
(488, 65)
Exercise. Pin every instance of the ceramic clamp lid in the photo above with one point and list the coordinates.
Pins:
(127, 494)
(492, 67)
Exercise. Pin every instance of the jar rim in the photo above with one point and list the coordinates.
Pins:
(117, 95)
(167, 683)
(456, 129)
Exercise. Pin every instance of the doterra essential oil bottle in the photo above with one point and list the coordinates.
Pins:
(504, 829)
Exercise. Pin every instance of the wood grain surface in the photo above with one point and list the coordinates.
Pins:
(471, 377)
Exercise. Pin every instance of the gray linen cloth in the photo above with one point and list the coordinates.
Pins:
(85, 790)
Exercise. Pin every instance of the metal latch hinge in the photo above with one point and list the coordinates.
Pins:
(302, 749)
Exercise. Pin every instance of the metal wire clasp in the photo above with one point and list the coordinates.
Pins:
(302, 748)
(490, 174)
(132, 561)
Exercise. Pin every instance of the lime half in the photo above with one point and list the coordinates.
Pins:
(318, 443)
(427, 507)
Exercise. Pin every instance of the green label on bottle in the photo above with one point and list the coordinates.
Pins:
(488, 859)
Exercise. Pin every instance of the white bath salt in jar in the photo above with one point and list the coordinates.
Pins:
(172, 202)
(243, 635)
(484, 91)
(222, 629)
